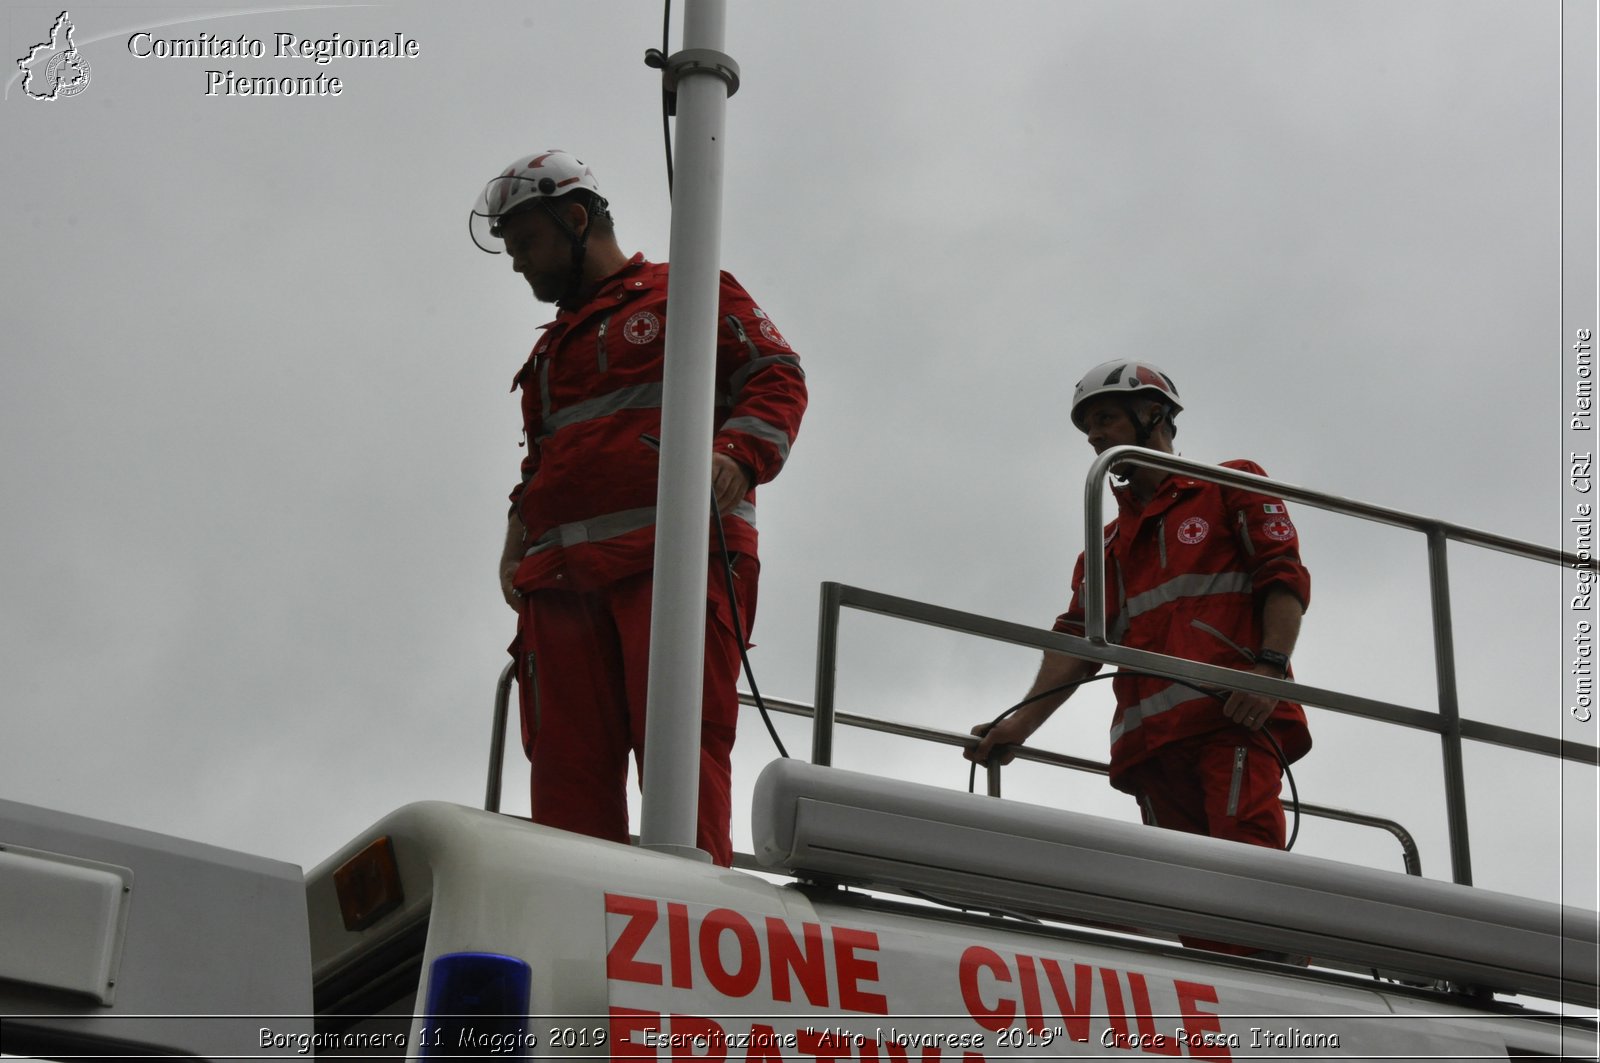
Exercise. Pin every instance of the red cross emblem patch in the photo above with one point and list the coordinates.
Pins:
(642, 327)
(1192, 531)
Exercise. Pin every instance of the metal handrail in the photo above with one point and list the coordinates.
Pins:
(502, 701)
(1409, 854)
(497, 737)
(1447, 722)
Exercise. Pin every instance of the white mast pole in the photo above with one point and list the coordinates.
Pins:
(706, 78)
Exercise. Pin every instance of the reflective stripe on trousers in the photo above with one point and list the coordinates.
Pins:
(1163, 700)
(612, 525)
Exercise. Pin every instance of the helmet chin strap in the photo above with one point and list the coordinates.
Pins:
(1143, 430)
(580, 250)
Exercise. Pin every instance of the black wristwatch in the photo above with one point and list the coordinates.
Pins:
(1280, 661)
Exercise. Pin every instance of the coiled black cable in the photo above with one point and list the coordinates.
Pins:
(1283, 761)
(738, 629)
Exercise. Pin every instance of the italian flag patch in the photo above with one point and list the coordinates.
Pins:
(1271, 507)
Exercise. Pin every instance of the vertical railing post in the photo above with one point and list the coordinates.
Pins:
(1444, 657)
(1094, 558)
(497, 736)
(827, 669)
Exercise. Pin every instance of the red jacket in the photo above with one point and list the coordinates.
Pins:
(591, 410)
(1185, 576)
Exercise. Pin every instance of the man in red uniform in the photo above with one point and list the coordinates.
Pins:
(580, 540)
(1198, 571)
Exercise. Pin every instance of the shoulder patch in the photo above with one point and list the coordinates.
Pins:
(770, 331)
(1280, 529)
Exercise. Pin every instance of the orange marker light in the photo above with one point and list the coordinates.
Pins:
(368, 885)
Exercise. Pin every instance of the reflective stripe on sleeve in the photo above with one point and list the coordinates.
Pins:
(755, 426)
(755, 365)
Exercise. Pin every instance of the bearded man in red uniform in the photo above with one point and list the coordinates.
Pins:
(580, 540)
(1194, 570)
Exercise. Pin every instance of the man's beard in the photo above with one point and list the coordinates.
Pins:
(546, 287)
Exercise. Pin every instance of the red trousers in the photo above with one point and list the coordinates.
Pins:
(1224, 784)
(591, 652)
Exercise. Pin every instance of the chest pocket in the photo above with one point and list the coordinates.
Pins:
(533, 379)
(631, 339)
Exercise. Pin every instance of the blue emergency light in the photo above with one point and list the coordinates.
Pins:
(477, 1007)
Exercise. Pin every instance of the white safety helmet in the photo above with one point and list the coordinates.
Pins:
(1125, 378)
(526, 182)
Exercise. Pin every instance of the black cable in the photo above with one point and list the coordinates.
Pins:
(733, 603)
(1294, 791)
(1283, 761)
(738, 629)
(972, 773)
(666, 109)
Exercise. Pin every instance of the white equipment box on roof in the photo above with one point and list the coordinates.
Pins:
(136, 930)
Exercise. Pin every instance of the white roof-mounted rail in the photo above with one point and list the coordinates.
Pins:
(846, 826)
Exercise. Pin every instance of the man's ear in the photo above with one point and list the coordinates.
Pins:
(577, 218)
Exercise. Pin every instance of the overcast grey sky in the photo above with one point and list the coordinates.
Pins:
(256, 431)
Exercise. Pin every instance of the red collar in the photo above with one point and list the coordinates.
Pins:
(636, 275)
(1171, 485)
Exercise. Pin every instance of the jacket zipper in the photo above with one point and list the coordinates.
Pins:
(1161, 538)
(742, 335)
(1238, 778)
(600, 343)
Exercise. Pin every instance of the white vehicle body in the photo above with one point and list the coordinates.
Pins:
(109, 934)
(632, 953)
(638, 954)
